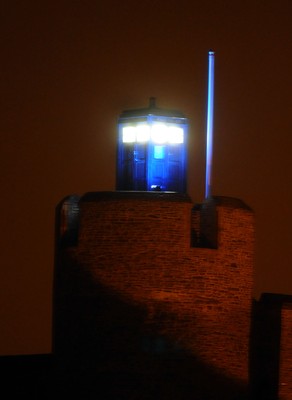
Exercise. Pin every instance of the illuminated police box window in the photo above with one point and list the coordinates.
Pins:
(152, 150)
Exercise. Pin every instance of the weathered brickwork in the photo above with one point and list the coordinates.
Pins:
(285, 373)
(141, 247)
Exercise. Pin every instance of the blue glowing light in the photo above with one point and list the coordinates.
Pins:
(210, 110)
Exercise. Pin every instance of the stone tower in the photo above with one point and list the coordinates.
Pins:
(152, 288)
(141, 251)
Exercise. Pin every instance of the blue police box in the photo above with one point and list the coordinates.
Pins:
(151, 152)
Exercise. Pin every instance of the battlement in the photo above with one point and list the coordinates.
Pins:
(204, 217)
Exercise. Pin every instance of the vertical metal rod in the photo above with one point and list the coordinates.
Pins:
(210, 109)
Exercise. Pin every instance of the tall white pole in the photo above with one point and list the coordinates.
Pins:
(210, 109)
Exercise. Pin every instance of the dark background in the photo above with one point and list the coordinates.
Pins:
(68, 68)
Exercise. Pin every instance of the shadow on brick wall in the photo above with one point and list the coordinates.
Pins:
(265, 345)
(105, 346)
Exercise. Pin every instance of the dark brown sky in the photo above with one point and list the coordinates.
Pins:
(68, 68)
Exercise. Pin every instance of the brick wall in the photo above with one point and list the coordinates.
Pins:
(285, 373)
(138, 246)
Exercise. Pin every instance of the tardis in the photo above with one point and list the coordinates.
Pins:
(151, 154)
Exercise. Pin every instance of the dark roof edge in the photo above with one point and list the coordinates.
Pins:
(152, 109)
(143, 112)
(136, 195)
(231, 202)
(275, 298)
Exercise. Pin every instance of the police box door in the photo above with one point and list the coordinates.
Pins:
(132, 168)
(166, 167)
